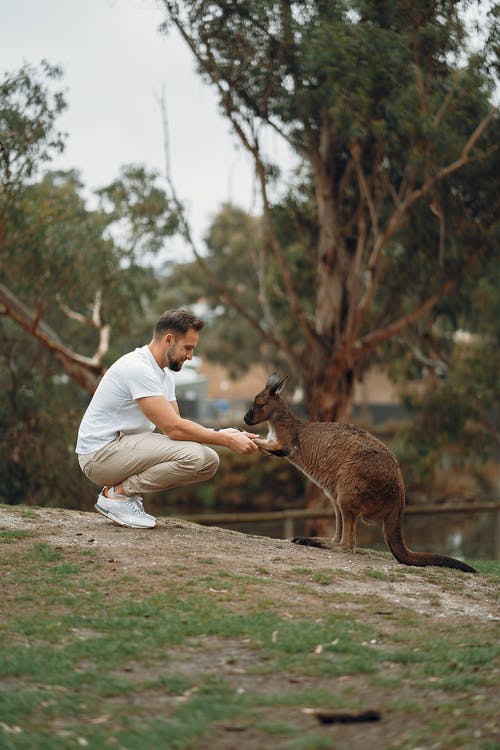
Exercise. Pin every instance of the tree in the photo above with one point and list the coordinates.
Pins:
(56, 255)
(391, 119)
(233, 236)
(73, 280)
(28, 113)
(455, 419)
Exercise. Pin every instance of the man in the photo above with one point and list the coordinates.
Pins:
(117, 446)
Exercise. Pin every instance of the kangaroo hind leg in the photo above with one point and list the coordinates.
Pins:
(339, 525)
(349, 524)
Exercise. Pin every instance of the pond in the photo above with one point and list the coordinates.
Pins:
(465, 534)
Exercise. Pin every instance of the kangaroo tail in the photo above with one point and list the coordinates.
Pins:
(395, 541)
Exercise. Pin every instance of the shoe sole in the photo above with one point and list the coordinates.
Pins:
(120, 521)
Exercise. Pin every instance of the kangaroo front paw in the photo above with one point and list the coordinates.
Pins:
(273, 449)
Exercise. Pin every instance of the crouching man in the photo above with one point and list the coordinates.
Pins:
(117, 445)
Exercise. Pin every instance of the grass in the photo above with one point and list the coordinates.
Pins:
(8, 536)
(86, 664)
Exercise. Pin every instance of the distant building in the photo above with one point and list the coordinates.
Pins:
(376, 399)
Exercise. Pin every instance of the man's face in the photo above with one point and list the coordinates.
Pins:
(177, 350)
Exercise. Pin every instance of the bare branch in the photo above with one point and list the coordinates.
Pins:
(372, 340)
(436, 210)
(259, 260)
(18, 311)
(400, 211)
(253, 149)
(84, 370)
(95, 321)
(225, 293)
(279, 256)
(97, 310)
(260, 268)
(72, 314)
(357, 278)
(435, 363)
(276, 248)
(463, 159)
(439, 116)
(365, 190)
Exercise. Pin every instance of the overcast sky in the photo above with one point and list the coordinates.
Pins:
(115, 63)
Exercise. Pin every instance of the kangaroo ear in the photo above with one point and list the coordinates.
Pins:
(272, 381)
(275, 385)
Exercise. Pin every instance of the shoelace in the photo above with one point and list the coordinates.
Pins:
(134, 506)
(137, 499)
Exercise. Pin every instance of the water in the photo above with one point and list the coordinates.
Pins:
(472, 536)
(464, 535)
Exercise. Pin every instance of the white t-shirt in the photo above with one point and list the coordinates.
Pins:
(113, 407)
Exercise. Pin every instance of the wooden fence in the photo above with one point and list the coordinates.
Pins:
(290, 516)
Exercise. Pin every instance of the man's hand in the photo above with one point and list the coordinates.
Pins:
(240, 442)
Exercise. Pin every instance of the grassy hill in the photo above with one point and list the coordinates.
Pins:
(206, 639)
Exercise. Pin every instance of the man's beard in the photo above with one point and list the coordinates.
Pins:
(173, 363)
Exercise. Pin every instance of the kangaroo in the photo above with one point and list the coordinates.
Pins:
(359, 474)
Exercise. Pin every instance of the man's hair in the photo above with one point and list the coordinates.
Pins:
(178, 322)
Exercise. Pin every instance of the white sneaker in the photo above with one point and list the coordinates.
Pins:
(127, 512)
(137, 499)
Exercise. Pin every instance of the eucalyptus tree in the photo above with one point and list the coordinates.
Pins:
(70, 275)
(75, 283)
(389, 115)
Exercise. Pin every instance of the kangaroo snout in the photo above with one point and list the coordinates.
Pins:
(248, 418)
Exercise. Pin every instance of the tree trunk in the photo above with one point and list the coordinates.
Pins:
(85, 376)
(329, 382)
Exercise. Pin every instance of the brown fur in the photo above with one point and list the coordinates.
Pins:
(359, 474)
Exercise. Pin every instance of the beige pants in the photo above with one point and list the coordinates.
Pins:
(148, 462)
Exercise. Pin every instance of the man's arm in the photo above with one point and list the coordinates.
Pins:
(167, 418)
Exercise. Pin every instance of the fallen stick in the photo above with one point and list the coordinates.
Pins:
(343, 717)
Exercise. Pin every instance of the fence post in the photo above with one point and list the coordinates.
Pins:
(288, 527)
(496, 537)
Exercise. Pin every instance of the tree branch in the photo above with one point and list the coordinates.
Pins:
(401, 210)
(365, 190)
(186, 231)
(279, 257)
(253, 149)
(95, 321)
(84, 370)
(260, 269)
(372, 340)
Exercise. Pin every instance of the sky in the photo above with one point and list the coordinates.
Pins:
(115, 65)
